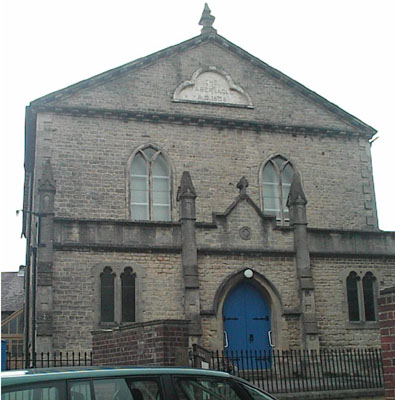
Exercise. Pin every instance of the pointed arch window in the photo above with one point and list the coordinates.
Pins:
(353, 297)
(277, 177)
(107, 295)
(361, 297)
(150, 189)
(128, 284)
(368, 296)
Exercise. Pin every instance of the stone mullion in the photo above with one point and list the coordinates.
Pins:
(150, 192)
(361, 300)
(117, 299)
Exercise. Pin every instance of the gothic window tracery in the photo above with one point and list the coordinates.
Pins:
(150, 186)
(117, 296)
(277, 174)
(361, 297)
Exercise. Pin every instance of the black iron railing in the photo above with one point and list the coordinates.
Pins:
(302, 370)
(45, 360)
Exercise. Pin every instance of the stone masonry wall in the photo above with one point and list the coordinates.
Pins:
(89, 158)
(159, 289)
(331, 299)
(387, 334)
(89, 154)
(157, 343)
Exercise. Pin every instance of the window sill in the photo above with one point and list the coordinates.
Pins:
(359, 325)
(107, 325)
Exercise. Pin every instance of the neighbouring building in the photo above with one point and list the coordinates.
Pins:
(199, 183)
(12, 315)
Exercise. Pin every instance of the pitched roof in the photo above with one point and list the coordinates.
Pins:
(213, 37)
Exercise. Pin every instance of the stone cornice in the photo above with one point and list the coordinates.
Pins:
(194, 120)
(108, 235)
(351, 243)
(350, 231)
(250, 252)
(117, 222)
(351, 254)
(104, 247)
(212, 251)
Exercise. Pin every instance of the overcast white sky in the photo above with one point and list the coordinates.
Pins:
(341, 49)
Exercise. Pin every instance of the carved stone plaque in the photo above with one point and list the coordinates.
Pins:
(211, 85)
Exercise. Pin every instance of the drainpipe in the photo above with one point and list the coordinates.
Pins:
(26, 313)
(33, 340)
(30, 135)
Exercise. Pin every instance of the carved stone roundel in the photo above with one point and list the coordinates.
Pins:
(245, 233)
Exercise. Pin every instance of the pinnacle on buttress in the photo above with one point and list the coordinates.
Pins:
(186, 188)
(47, 182)
(207, 21)
(296, 194)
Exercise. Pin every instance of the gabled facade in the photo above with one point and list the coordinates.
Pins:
(201, 184)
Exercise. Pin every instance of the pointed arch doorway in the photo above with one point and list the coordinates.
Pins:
(247, 321)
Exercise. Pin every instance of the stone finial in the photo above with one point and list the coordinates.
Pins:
(186, 188)
(207, 21)
(242, 185)
(296, 194)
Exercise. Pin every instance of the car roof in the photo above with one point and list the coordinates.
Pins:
(60, 373)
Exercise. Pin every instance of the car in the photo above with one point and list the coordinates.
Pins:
(126, 383)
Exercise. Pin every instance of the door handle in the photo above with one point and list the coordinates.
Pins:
(226, 341)
(251, 337)
(269, 334)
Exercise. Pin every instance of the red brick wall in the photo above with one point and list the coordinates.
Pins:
(387, 332)
(160, 343)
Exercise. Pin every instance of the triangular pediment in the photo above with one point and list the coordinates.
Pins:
(245, 201)
(243, 225)
(179, 74)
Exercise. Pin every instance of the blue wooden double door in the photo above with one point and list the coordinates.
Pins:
(247, 324)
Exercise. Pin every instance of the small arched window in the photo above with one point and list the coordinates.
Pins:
(368, 296)
(277, 177)
(150, 188)
(128, 284)
(107, 295)
(361, 297)
(353, 297)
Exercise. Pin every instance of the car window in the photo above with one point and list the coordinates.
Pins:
(202, 388)
(256, 394)
(116, 389)
(49, 391)
(80, 390)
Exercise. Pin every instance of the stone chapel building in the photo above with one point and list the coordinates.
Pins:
(198, 183)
